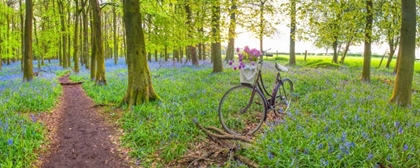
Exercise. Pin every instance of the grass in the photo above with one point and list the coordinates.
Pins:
(336, 121)
(20, 103)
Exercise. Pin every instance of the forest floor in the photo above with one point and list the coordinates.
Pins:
(80, 134)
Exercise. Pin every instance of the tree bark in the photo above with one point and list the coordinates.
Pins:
(401, 93)
(140, 89)
(368, 40)
(230, 54)
(191, 48)
(114, 13)
(215, 45)
(93, 53)
(335, 54)
(28, 73)
(63, 34)
(75, 41)
(392, 43)
(292, 59)
(98, 44)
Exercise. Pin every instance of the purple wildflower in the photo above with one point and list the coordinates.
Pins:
(234, 68)
(10, 142)
(246, 49)
(405, 147)
(33, 118)
(237, 49)
(230, 62)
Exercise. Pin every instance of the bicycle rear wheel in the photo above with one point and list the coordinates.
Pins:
(283, 96)
(242, 111)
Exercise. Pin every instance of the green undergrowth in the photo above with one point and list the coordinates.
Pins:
(335, 121)
(20, 133)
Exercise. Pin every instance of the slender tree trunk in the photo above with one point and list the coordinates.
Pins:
(93, 53)
(140, 89)
(114, 13)
(63, 34)
(345, 51)
(99, 50)
(215, 31)
(68, 34)
(368, 40)
(75, 41)
(401, 93)
(28, 73)
(38, 56)
(156, 55)
(22, 42)
(292, 59)
(335, 45)
(392, 47)
(230, 54)
(85, 39)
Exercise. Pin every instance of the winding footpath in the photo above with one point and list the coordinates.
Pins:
(81, 137)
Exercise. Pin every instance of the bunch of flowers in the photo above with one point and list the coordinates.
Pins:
(247, 56)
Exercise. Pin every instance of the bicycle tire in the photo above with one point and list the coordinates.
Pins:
(283, 96)
(237, 115)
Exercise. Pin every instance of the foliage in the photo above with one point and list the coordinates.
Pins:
(20, 103)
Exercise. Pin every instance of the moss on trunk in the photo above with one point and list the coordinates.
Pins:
(140, 89)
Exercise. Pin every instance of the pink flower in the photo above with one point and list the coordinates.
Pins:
(230, 62)
(237, 49)
(246, 49)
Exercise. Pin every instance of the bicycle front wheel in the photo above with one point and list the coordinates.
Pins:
(283, 96)
(242, 110)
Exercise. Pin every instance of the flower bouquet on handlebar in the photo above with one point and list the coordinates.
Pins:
(246, 64)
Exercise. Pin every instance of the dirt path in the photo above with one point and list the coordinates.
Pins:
(81, 138)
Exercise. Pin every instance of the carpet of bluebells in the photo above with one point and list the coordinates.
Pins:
(20, 103)
(335, 120)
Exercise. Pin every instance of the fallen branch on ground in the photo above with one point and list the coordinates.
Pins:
(71, 83)
(229, 145)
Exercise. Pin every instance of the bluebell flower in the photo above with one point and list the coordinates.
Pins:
(397, 124)
(324, 162)
(370, 156)
(270, 155)
(388, 157)
(10, 142)
(405, 147)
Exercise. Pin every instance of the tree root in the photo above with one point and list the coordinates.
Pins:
(229, 145)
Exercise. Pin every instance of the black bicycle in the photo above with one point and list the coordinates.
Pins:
(243, 108)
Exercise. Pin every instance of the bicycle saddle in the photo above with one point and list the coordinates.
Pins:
(281, 68)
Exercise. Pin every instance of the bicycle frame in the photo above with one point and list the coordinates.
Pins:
(259, 84)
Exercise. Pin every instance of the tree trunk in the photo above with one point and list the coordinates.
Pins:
(345, 51)
(85, 54)
(93, 53)
(140, 89)
(368, 40)
(22, 42)
(63, 34)
(292, 59)
(115, 35)
(191, 48)
(28, 73)
(99, 50)
(392, 47)
(335, 45)
(230, 54)
(76, 30)
(215, 31)
(401, 93)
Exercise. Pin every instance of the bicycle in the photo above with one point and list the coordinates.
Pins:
(243, 108)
